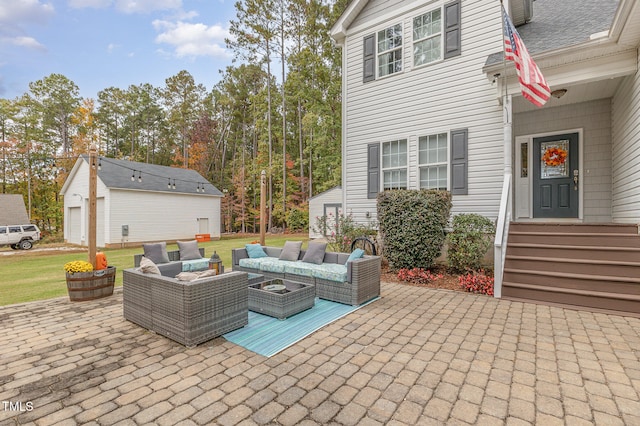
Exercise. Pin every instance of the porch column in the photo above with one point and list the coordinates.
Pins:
(507, 128)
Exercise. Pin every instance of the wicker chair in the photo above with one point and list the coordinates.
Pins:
(187, 312)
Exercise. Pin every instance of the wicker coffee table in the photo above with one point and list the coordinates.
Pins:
(281, 302)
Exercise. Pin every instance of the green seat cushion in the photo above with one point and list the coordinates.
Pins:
(300, 268)
(195, 265)
(331, 272)
(272, 264)
(252, 263)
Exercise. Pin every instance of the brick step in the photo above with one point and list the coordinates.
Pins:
(625, 254)
(609, 268)
(603, 301)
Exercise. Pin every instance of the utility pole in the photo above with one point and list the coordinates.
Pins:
(93, 190)
(263, 196)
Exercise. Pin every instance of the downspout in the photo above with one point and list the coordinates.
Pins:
(343, 142)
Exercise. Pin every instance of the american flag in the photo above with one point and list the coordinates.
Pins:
(534, 86)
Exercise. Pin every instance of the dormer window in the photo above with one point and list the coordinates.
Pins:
(390, 50)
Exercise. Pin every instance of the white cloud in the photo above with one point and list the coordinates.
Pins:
(147, 6)
(128, 6)
(191, 40)
(28, 42)
(15, 15)
(15, 12)
(96, 4)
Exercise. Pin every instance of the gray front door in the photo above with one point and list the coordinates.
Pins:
(555, 176)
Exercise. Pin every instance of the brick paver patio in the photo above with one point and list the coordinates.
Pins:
(417, 356)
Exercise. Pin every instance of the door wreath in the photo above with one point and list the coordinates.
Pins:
(554, 156)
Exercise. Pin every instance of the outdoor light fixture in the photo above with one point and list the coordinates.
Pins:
(133, 176)
(558, 93)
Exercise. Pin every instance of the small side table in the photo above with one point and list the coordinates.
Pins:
(296, 297)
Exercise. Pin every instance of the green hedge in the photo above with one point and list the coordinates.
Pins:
(412, 226)
(470, 238)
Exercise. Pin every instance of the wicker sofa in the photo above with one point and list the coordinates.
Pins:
(351, 283)
(187, 312)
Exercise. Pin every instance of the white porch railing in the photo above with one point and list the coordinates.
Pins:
(502, 232)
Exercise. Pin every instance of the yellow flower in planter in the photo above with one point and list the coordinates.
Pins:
(78, 266)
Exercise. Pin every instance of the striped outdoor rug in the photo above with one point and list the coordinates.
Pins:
(267, 336)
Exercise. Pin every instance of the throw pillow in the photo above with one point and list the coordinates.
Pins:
(356, 254)
(148, 267)
(255, 251)
(315, 253)
(206, 274)
(186, 276)
(291, 250)
(189, 250)
(157, 252)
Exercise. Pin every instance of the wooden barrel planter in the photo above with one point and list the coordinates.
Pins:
(91, 285)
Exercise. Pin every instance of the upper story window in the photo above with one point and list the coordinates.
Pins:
(436, 36)
(433, 161)
(394, 164)
(427, 37)
(390, 50)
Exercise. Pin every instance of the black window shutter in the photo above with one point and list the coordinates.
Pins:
(459, 162)
(369, 58)
(452, 29)
(373, 170)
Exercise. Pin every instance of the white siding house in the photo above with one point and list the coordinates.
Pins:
(327, 203)
(429, 102)
(144, 209)
(416, 73)
(419, 107)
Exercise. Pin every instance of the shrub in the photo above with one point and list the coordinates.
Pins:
(477, 282)
(340, 231)
(298, 220)
(412, 226)
(470, 238)
(417, 276)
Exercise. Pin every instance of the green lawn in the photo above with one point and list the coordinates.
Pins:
(32, 275)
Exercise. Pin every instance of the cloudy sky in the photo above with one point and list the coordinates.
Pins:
(103, 43)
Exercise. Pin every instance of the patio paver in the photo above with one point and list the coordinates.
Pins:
(416, 356)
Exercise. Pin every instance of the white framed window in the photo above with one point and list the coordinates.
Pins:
(433, 161)
(427, 37)
(394, 164)
(389, 50)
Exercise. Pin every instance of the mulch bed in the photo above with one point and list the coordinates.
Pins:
(447, 282)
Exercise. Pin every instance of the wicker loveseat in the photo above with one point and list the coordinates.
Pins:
(187, 312)
(351, 283)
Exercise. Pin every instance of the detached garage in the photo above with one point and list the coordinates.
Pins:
(139, 202)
